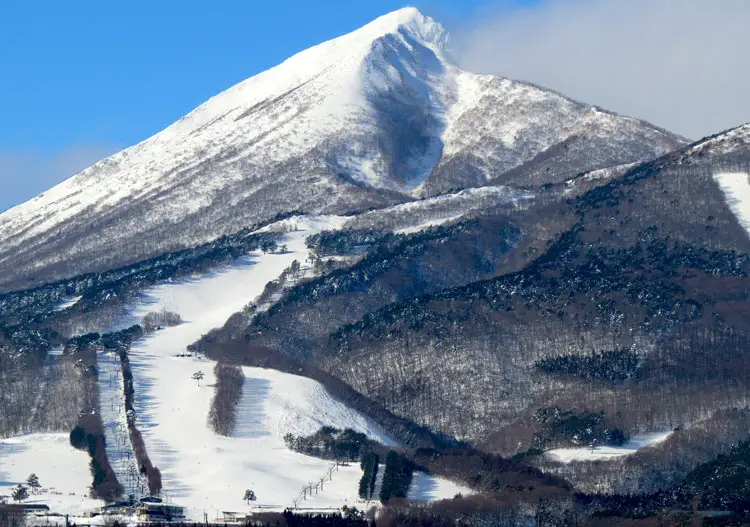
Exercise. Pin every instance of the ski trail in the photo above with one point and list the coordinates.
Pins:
(736, 189)
(112, 410)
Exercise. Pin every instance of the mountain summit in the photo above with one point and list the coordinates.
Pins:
(373, 118)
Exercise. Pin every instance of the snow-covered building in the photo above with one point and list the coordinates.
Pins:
(151, 510)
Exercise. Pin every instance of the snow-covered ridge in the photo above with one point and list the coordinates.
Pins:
(417, 215)
(724, 143)
(331, 80)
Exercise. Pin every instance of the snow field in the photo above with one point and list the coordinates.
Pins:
(63, 471)
(736, 189)
(425, 487)
(566, 455)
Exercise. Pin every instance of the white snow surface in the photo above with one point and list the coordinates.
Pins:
(209, 473)
(63, 471)
(427, 224)
(426, 487)
(736, 188)
(566, 455)
(68, 302)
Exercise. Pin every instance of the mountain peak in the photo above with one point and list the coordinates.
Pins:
(411, 21)
(367, 119)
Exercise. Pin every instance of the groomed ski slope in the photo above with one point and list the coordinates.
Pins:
(736, 188)
(566, 455)
(208, 473)
(63, 471)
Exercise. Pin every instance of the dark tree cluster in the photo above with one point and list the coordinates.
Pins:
(397, 249)
(397, 476)
(156, 320)
(145, 466)
(88, 435)
(486, 472)
(331, 243)
(370, 464)
(611, 366)
(560, 427)
(229, 383)
(724, 483)
(330, 443)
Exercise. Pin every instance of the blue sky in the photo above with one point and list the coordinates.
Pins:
(83, 79)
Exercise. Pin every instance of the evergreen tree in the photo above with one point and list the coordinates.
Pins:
(397, 477)
(33, 482)
(370, 472)
(20, 493)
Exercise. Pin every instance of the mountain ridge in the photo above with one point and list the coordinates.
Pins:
(374, 118)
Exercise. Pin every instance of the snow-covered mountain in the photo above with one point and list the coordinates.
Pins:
(376, 117)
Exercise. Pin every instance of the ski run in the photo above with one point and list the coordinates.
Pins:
(736, 188)
(208, 473)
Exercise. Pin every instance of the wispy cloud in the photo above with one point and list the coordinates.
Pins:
(26, 173)
(681, 64)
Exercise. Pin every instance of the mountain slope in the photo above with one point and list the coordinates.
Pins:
(373, 118)
(636, 307)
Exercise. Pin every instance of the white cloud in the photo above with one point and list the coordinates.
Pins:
(681, 64)
(26, 173)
